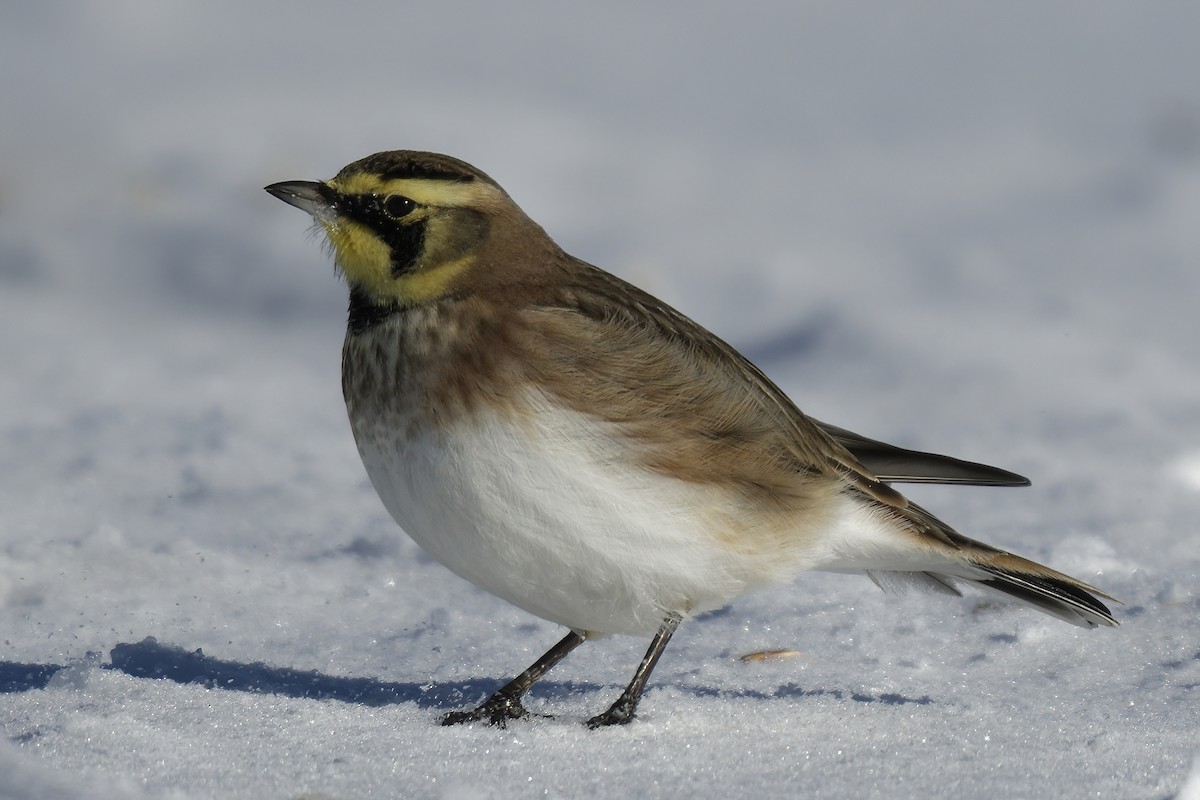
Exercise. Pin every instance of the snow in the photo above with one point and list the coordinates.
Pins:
(961, 227)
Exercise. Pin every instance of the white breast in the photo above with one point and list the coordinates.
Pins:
(546, 511)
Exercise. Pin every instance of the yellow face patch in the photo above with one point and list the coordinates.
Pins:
(429, 284)
(366, 259)
(360, 254)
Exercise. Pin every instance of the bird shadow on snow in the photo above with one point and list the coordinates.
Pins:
(149, 659)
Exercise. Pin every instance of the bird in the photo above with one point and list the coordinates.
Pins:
(577, 447)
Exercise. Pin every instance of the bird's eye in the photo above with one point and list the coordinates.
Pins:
(397, 206)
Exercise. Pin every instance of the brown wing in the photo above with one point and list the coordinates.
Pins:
(701, 408)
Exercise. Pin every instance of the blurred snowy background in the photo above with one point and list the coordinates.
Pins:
(972, 228)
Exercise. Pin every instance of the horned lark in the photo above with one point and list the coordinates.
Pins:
(584, 451)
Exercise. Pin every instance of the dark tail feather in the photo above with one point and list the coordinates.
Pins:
(1053, 593)
(892, 464)
(990, 568)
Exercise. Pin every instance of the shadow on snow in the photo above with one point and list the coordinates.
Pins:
(149, 659)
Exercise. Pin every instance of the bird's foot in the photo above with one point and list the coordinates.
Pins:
(621, 713)
(496, 710)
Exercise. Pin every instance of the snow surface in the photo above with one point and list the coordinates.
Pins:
(972, 228)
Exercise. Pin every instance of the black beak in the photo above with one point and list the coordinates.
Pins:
(310, 196)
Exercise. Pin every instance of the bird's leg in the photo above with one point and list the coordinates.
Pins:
(622, 710)
(506, 703)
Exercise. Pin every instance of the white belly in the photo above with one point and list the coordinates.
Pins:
(546, 512)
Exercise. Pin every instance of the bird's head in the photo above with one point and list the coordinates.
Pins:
(409, 227)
